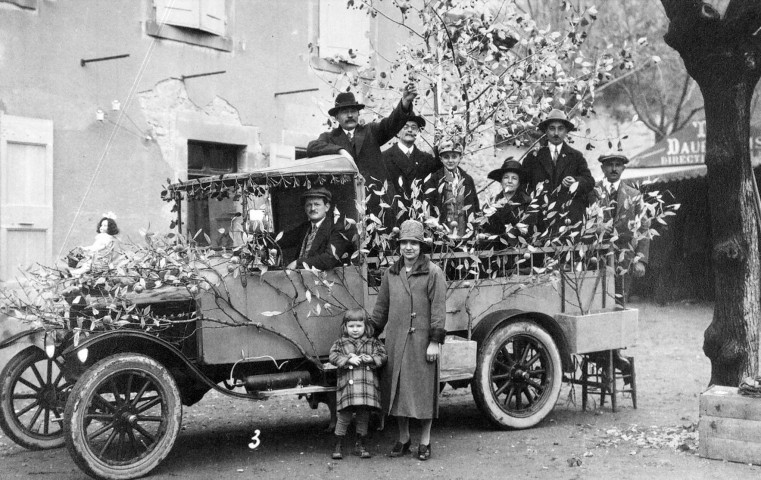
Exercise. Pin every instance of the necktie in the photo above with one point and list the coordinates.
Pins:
(554, 155)
(409, 153)
(613, 200)
(308, 241)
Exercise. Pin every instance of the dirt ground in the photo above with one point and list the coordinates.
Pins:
(656, 441)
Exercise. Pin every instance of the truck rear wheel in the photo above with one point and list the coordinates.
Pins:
(518, 375)
(122, 417)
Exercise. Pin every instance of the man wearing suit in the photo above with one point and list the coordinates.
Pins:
(561, 170)
(621, 212)
(621, 208)
(362, 143)
(322, 242)
(406, 163)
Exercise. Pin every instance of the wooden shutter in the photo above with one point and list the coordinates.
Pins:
(213, 17)
(343, 29)
(26, 194)
(180, 13)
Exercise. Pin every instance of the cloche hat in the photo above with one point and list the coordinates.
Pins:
(412, 230)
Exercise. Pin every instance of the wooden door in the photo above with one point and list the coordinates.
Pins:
(26, 194)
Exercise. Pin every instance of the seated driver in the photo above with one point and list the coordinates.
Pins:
(322, 242)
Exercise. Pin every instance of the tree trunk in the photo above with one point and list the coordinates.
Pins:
(731, 341)
(723, 56)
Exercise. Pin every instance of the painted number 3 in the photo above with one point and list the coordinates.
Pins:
(255, 442)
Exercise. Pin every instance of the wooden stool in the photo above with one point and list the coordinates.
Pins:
(596, 379)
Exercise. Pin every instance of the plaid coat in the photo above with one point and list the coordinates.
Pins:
(357, 385)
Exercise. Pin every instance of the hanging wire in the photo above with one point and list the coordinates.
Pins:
(127, 102)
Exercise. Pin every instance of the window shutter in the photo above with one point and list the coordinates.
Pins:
(344, 32)
(213, 17)
(26, 194)
(180, 13)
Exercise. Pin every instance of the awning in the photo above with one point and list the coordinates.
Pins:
(664, 174)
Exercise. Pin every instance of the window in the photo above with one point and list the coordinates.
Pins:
(198, 22)
(210, 216)
(344, 33)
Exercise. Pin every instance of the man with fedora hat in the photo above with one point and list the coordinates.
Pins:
(406, 163)
(321, 242)
(362, 143)
(560, 169)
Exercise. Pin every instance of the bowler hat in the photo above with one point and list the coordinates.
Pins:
(509, 165)
(320, 192)
(417, 119)
(345, 100)
(450, 146)
(613, 156)
(556, 116)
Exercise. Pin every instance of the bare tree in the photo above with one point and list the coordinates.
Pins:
(722, 52)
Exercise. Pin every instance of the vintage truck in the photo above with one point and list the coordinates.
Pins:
(111, 380)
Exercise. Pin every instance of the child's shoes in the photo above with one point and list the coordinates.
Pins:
(359, 448)
(338, 449)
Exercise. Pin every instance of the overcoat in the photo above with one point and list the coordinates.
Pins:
(416, 317)
(365, 149)
(627, 210)
(417, 166)
(330, 243)
(538, 169)
(357, 386)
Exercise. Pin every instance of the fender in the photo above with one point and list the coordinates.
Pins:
(133, 341)
(37, 338)
(501, 317)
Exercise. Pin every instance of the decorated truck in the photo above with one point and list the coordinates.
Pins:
(109, 358)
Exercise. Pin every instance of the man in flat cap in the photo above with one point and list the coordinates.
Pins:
(406, 163)
(363, 142)
(622, 210)
(321, 241)
(559, 167)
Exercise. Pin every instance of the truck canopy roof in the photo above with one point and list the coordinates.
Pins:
(326, 168)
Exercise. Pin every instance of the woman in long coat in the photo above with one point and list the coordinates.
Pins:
(414, 325)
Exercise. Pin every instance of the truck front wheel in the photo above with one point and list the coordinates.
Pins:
(518, 375)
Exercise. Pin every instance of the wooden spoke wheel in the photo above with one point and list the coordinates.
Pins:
(32, 400)
(122, 417)
(518, 375)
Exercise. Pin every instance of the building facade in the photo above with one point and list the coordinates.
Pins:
(102, 103)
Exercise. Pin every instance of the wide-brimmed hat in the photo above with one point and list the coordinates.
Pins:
(509, 165)
(556, 116)
(320, 192)
(345, 100)
(417, 119)
(613, 156)
(450, 146)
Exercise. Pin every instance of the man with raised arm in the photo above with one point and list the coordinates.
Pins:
(362, 143)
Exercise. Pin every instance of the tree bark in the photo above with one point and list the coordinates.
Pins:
(723, 55)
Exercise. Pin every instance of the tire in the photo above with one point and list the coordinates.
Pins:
(122, 417)
(32, 400)
(518, 375)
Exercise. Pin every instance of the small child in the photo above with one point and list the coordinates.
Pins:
(357, 355)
